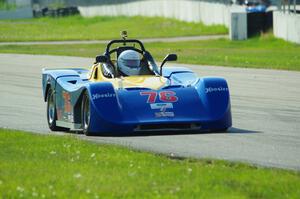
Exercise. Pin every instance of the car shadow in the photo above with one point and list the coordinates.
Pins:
(241, 131)
(232, 130)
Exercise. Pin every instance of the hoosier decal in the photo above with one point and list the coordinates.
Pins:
(104, 95)
(216, 89)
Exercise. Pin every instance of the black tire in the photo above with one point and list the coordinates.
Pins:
(51, 112)
(86, 114)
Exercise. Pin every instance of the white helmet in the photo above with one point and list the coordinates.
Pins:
(129, 62)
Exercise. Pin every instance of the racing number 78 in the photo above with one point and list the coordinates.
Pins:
(164, 96)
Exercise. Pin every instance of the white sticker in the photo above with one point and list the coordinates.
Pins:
(164, 114)
(161, 106)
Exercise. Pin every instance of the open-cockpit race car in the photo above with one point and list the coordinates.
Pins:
(126, 92)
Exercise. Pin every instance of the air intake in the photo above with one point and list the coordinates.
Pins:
(176, 126)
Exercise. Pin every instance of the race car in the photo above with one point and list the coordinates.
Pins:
(127, 92)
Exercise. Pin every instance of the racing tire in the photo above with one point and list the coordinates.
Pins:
(86, 114)
(51, 112)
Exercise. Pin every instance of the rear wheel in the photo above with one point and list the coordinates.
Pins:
(51, 112)
(86, 114)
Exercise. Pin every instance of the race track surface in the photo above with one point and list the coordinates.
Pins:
(265, 108)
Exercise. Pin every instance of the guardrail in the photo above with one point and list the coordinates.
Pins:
(15, 9)
(186, 10)
(290, 6)
(47, 3)
(287, 26)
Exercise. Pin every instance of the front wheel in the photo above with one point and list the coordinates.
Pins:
(86, 114)
(51, 112)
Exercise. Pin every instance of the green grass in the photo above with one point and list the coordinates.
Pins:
(48, 166)
(7, 6)
(79, 28)
(261, 52)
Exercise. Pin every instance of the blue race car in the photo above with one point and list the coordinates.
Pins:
(125, 92)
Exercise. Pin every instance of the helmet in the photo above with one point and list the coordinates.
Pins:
(129, 62)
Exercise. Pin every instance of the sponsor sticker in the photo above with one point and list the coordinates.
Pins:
(103, 95)
(164, 114)
(70, 117)
(216, 89)
(161, 106)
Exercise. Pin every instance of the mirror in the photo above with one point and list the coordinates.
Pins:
(169, 57)
(101, 59)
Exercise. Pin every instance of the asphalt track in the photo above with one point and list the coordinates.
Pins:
(265, 107)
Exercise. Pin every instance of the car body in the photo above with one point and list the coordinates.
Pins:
(256, 6)
(256, 9)
(165, 98)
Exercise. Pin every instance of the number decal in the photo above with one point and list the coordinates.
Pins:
(164, 96)
(151, 96)
(67, 101)
(168, 96)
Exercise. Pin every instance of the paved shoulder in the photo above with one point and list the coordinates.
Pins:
(146, 40)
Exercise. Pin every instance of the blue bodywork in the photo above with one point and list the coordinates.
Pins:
(202, 103)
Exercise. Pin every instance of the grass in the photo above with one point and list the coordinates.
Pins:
(48, 166)
(261, 52)
(79, 28)
(7, 6)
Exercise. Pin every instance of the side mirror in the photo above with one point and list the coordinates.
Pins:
(169, 57)
(101, 59)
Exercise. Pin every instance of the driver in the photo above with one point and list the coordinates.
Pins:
(129, 63)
